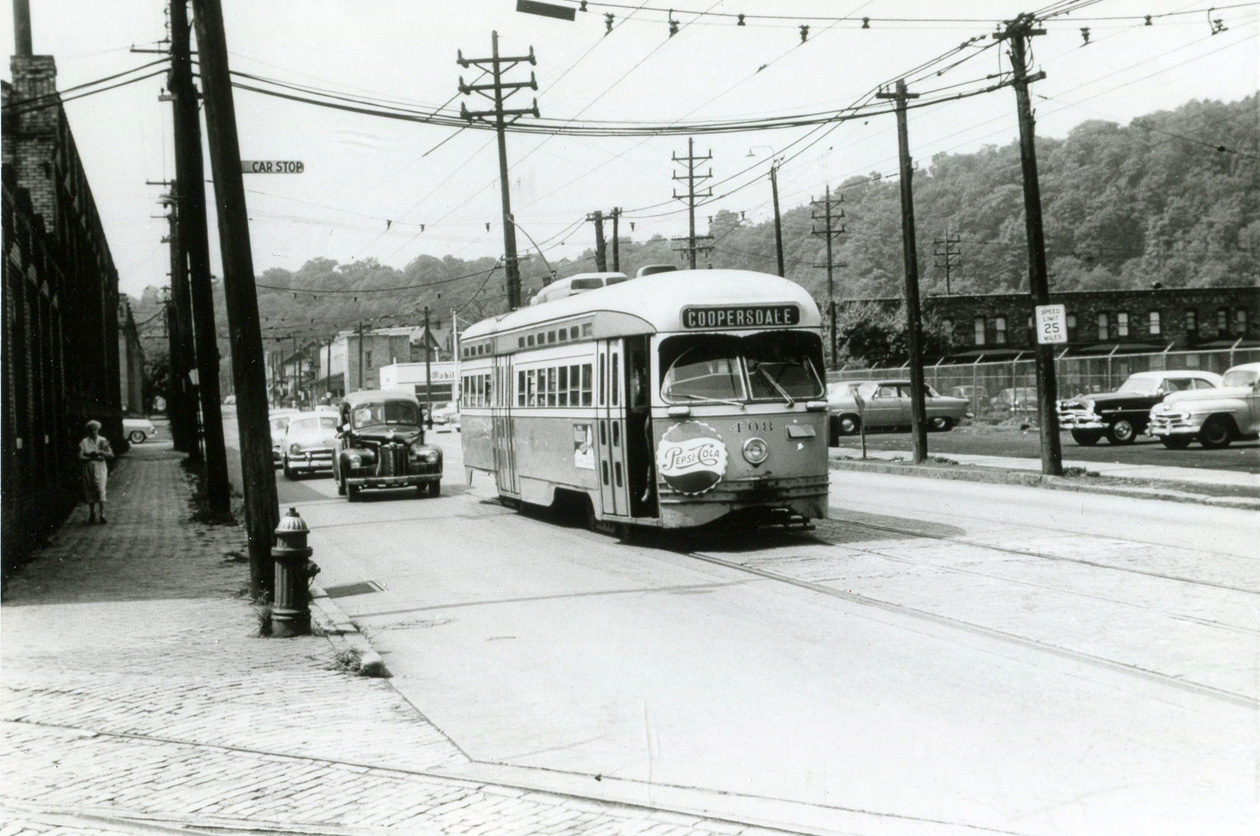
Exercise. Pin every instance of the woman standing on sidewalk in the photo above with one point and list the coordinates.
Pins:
(95, 452)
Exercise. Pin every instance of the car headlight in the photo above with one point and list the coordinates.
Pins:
(295, 449)
(756, 450)
(430, 457)
(356, 461)
(1089, 406)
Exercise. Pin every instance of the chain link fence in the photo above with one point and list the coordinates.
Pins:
(1001, 389)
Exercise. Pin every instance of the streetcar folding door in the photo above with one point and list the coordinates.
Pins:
(610, 432)
(501, 426)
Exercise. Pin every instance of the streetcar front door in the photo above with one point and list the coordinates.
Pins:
(501, 426)
(610, 433)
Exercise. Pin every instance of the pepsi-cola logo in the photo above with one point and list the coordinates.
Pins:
(691, 458)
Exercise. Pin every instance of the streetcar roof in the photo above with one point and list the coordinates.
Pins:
(655, 303)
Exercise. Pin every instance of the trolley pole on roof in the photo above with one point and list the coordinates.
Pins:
(1018, 31)
(918, 408)
(499, 91)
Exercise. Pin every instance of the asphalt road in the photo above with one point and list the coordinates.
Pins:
(937, 658)
(1243, 456)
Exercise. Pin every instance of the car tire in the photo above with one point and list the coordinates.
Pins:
(1121, 432)
(288, 471)
(1086, 438)
(435, 487)
(341, 482)
(1216, 433)
(1175, 442)
(136, 437)
(940, 424)
(850, 424)
(352, 493)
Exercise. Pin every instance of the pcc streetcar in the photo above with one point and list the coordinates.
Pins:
(673, 400)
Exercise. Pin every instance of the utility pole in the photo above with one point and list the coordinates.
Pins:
(428, 371)
(195, 242)
(328, 368)
(181, 408)
(778, 219)
(601, 260)
(262, 513)
(360, 332)
(1018, 31)
(502, 91)
(949, 249)
(616, 216)
(692, 178)
(833, 213)
(297, 373)
(918, 407)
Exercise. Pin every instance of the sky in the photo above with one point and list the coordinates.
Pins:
(369, 183)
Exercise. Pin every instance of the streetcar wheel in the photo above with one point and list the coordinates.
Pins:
(1086, 438)
(137, 437)
(1175, 442)
(1216, 433)
(1121, 431)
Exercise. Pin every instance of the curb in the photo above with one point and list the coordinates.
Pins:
(342, 633)
(1148, 489)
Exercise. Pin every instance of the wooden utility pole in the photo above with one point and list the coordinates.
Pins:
(692, 178)
(180, 407)
(1017, 33)
(261, 508)
(833, 213)
(948, 248)
(918, 407)
(501, 92)
(616, 216)
(428, 372)
(601, 259)
(360, 333)
(778, 219)
(195, 242)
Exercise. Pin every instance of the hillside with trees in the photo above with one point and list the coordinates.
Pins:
(1173, 198)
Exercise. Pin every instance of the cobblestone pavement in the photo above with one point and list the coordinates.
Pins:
(137, 699)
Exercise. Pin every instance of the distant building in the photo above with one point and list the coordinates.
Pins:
(130, 362)
(351, 360)
(998, 326)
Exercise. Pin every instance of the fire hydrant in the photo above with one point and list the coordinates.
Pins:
(291, 609)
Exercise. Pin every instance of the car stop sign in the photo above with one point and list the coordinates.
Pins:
(1051, 324)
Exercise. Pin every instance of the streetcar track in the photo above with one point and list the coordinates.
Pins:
(989, 632)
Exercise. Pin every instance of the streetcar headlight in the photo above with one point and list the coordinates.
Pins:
(756, 450)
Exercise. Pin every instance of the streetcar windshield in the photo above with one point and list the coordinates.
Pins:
(763, 367)
(387, 412)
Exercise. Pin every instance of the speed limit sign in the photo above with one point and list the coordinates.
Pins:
(1051, 324)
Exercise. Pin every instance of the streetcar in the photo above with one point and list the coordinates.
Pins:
(674, 400)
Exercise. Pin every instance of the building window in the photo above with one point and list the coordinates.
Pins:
(1104, 323)
(999, 330)
(1192, 321)
(367, 355)
(979, 330)
(1122, 324)
(947, 325)
(1222, 321)
(1154, 323)
(1071, 326)
(1240, 321)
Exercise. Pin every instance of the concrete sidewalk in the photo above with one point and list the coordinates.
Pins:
(137, 699)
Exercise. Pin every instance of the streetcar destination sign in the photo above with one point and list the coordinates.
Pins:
(741, 316)
(272, 166)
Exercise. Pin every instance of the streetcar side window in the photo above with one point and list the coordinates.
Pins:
(574, 386)
(562, 386)
(586, 384)
(532, 384)
(613, 379)
(520, 388)
(603, 389)
(551, 386)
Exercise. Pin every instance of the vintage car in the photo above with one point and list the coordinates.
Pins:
(445, 417)
(278, 419)
(138, 430)
(1122, 415)
(380, 444)
(1016, 399)
(886, 404)
(1213, 416)
(308, 444)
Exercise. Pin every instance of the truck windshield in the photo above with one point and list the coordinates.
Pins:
(772, 366)
(388, 412)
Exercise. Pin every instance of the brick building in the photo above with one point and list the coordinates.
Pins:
(130, 363)
(61, 355)
(998, 326)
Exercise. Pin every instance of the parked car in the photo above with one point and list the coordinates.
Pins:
(1015, 399)
(138, 430)
(308, 444)
(380, 444)
(279, 421)
(977, 395)
(1122, 415)
(445, 417)
(1215, 417)
(886, 404)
